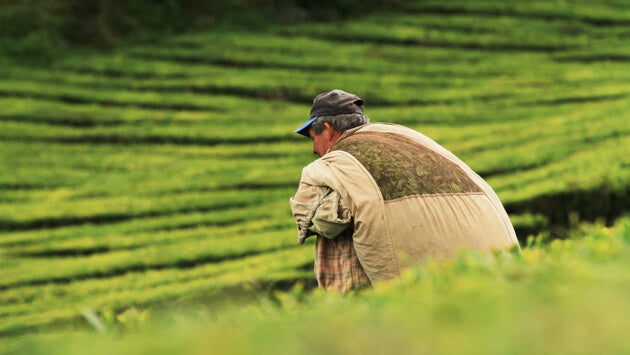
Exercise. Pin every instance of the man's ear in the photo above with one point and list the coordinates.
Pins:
(328, 130)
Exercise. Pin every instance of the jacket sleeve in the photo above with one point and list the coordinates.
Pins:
(319, 210)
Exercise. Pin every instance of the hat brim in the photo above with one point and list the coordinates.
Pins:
(303, 130)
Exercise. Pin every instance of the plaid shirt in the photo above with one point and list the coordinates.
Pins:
(337, 265)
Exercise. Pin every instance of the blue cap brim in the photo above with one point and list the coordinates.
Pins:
(303, 130)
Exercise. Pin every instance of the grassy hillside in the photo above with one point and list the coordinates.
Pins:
(162, 171)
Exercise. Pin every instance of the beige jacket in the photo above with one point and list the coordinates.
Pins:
(407, 196)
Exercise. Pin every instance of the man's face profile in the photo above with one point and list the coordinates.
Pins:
(324, 140)
(320, 143)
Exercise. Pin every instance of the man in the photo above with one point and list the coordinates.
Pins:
(383, 195)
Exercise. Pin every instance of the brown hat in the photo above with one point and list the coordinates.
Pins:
(335, 102)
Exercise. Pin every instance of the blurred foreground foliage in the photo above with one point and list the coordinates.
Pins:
(567, 296)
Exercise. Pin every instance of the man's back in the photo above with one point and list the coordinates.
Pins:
(409, 196)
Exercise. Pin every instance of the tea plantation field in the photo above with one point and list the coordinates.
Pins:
(567, 297)
(160, 172)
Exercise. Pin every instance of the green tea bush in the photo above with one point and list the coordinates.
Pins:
(566, 297)
(27, 26)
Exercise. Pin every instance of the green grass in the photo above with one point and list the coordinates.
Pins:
(569, 296)
(162, 171)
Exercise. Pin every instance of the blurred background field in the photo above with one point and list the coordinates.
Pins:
(145, 165)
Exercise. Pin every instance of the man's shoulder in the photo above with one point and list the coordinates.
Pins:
(381, 127)
(386, 127)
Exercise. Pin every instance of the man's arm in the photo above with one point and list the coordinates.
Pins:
(319, 210)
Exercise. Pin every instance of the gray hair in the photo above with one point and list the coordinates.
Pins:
(340, 123)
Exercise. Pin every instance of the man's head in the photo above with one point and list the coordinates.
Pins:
(332, 113)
